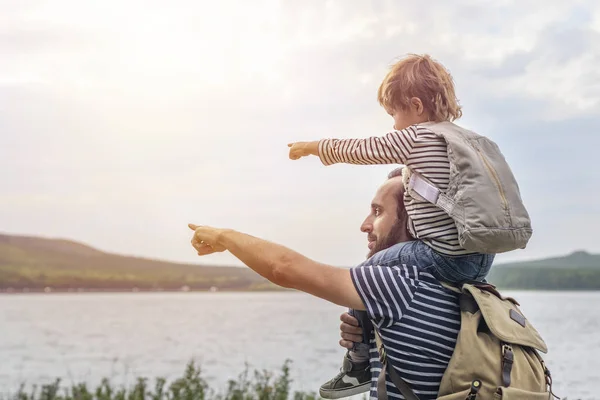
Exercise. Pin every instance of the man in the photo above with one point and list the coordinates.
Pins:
(417, 318)
(355, 375)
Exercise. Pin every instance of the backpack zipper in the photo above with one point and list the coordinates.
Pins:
(495, 176)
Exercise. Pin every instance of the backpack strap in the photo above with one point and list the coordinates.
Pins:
(451, 287)
(400, 383)
(507, 363)
(546, 373)
(430, 192)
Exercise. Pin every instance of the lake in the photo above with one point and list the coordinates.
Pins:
(87, 336)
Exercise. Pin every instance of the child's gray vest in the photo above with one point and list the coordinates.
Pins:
(483, 196)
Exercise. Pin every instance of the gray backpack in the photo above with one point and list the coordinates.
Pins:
(483, 196)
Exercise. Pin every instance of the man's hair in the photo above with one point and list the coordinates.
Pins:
(400, 208)
(420, 76)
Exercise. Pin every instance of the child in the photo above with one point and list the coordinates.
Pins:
(418, 93)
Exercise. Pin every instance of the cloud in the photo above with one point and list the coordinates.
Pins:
(122, 121)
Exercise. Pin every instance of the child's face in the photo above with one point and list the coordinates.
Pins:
(402, 119)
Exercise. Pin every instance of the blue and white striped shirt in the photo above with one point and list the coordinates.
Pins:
(418, 320)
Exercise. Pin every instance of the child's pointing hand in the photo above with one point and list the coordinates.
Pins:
(303, 149)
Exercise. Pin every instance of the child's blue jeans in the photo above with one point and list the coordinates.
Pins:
(451, 269)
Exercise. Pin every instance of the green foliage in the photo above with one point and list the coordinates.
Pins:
(191, 386)
(577, 271)
(540, 278)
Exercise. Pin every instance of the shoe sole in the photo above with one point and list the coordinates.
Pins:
(346, 392)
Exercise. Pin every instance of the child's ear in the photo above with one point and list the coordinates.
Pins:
(417, 105)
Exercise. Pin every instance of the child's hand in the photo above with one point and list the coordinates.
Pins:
(303, 149)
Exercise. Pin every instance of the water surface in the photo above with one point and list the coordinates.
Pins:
(88, 336)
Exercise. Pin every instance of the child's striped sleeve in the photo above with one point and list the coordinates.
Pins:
(393, 148)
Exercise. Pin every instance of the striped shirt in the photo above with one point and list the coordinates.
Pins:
(418, 320)
(422, 151)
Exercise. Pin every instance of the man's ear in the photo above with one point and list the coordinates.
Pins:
(417, 105)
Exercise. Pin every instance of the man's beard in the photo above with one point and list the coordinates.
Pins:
(393, 237)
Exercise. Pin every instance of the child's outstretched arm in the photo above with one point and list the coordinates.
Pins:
(393, 148)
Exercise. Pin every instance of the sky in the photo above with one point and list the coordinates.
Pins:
(121, 121)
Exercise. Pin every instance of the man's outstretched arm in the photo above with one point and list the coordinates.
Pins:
(281, 265)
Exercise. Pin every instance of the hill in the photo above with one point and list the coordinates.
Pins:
(577, 271)
(37, 263)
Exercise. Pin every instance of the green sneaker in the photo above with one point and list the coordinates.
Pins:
(354, 378)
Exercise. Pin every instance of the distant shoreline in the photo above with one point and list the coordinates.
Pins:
(134, 290)
(40, 265)
(258, 290)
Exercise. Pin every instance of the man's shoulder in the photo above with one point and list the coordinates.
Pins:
(391, 292)
(388, 272)
(397, 277)
(385, 276)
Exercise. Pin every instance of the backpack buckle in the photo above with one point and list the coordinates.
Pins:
(382, 354)
(475, 386)
(507, 353)
(508, 358)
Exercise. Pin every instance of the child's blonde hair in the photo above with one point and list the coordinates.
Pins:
(420, 76)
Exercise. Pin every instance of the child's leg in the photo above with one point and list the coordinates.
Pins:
(451, 269)
(355, 375)
(360, 351)
(461, 269)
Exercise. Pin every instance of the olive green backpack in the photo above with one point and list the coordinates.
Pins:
(496, 355)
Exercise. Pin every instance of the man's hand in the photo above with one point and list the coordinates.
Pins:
(350, 331)
(206, 239)
(303, 149)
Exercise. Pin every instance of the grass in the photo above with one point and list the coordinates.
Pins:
(191, 386)
(262, 385)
